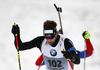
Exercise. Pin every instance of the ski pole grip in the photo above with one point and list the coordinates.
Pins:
(15, 25)
(63, 49)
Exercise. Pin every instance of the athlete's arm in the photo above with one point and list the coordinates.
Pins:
(71, 51)
(89, 49)
(36, 42)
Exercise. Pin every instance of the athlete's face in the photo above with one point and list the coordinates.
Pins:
(50, 41)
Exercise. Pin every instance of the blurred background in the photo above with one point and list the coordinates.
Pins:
(77, 16)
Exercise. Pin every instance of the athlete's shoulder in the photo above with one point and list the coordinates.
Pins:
(64, 37)
(39, 38)
(67, 42)
(38, 41)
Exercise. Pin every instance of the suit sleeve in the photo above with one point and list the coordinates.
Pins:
(70, 47)
(89, 49)
(36, 42)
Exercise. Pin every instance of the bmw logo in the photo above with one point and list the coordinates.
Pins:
(53, 52)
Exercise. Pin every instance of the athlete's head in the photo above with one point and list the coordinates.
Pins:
(49, 29)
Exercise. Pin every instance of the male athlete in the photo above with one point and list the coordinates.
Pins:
(82, 54)
(56, 49)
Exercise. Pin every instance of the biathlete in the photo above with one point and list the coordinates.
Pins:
(56, 49)
(88, 52)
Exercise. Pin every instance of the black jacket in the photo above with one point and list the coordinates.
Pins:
(37, 42)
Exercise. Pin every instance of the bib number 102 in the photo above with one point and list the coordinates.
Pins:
(53, 63)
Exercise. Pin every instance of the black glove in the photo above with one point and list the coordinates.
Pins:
(66, 54)
(15, 29)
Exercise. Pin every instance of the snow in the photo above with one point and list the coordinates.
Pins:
(77, 16)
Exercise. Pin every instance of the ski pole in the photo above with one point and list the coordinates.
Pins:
(39, 66)
(59, 9)
(16, 36)
(69, 62)
(85, 56)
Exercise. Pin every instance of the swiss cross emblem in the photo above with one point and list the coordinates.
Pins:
(61, 39)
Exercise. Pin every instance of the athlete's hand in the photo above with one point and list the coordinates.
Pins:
(66, 54)
(15, 29)
(86, 35)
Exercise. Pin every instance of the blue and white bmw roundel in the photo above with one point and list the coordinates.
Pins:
(53, 52)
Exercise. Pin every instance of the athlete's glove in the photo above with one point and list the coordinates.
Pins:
(66, 54)
(86, 35)
(15, 29)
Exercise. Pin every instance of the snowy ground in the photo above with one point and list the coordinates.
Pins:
(77, 16)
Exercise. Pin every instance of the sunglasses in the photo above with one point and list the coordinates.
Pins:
(50, 37)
